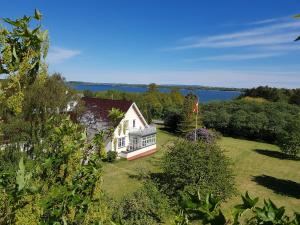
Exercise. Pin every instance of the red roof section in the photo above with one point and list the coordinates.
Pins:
(101, 107)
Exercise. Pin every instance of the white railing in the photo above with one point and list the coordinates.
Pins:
(143, 132)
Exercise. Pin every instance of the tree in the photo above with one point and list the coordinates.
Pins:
(63, 186)
(208, 170)
(22, 56)
(99, 141)
(188, 114)
(295, 97)
(172, 119)
(115, 116)
(152, 88)
(289, 144)
(58, 183)
(289, 139)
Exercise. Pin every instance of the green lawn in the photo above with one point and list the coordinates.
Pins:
(258, 168)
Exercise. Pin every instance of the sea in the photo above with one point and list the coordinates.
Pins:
(203, 95)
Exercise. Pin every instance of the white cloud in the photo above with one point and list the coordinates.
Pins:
(235, 57)
(278, 33)
(267, 38)
(58, 55)
(271, 20)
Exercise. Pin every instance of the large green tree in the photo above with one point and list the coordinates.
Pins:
(59, 182)
(189, 114)
(190, 167)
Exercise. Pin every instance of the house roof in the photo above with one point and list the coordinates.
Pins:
(101, 107)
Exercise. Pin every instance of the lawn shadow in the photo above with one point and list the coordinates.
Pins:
(276, 154)
(279, 186)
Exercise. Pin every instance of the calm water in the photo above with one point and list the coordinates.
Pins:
(204, 95)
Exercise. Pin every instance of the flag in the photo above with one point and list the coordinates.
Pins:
(196, 107)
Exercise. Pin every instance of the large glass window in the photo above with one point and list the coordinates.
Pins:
(121, 142)
(149, 140)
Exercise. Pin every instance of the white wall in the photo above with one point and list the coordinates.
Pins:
(137, 152)
(129, 116)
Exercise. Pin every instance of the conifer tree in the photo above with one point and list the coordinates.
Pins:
(188, 114)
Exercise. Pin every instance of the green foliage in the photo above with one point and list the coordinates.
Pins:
(153, 104)
(274, 94)
(289, 140)
(172, 119)
(207, 170)
(289, 143)
(64, 182)
(22, 55)
(208, 212)
(22, 178)
(248, 203)
(111, 156)
(29, 125)
(146, 206)
(267, 121)
(270, 214)
(65, 187)
(98, 141)
(188, 116)
(115, 116)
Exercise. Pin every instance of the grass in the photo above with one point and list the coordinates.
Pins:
(259, 168)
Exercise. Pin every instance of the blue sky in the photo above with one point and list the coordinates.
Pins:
(233, 43)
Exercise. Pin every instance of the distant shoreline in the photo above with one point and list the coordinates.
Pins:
(179, 86)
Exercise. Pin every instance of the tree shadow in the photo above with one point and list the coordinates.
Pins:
(276, 154)
(279, 186)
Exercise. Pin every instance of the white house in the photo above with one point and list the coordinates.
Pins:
(132, 138)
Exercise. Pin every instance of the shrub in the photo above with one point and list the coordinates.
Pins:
(171, 120)
(290, 144)
(111, 156)
(207, 211)
(147, 206)
(202, 134)
(103, 154)
(192, 166)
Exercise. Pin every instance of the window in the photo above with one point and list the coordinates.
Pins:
(133, 123)
(149, 140)
(135, 141)
(121, 142)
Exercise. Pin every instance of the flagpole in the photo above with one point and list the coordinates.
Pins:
(197, 109)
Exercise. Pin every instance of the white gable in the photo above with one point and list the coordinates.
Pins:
(134, 120)
(134, 114)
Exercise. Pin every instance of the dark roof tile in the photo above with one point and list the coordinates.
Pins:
(101, 107)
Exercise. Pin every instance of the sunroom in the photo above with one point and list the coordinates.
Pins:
(140, 139)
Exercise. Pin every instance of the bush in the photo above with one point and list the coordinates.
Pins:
(189, 167)
(290, 144)
(111, 156)
(146, 206)
(171, 120)
(103, 154)
(202, 134)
